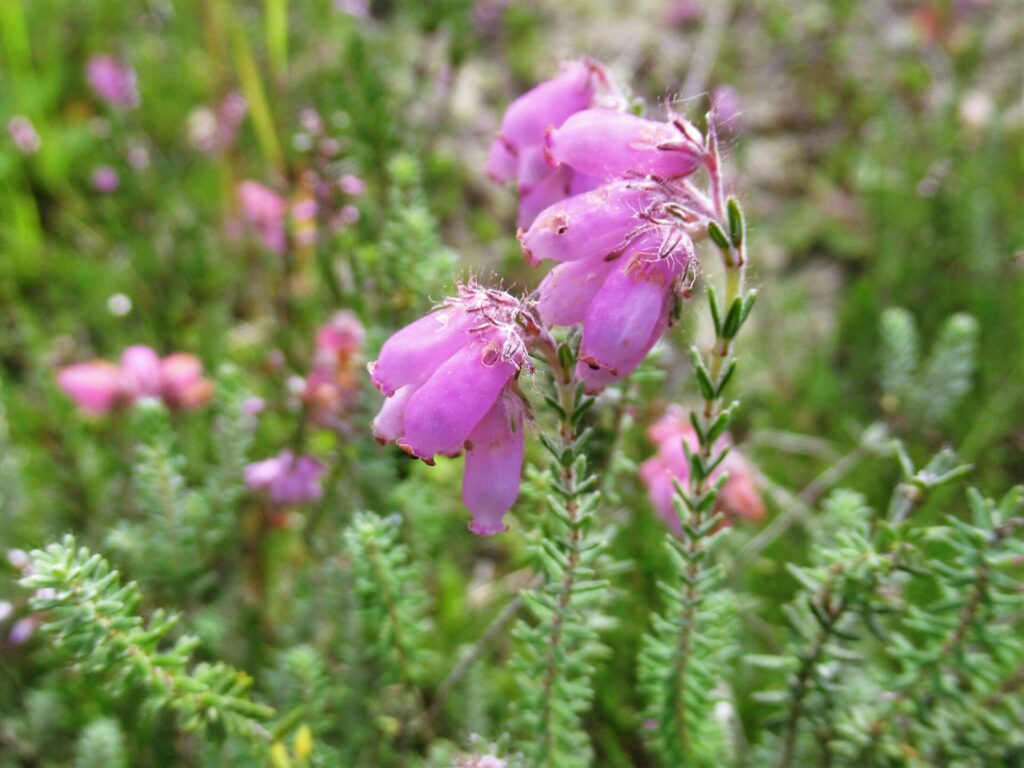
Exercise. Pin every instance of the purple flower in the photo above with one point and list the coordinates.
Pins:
(519, 153)
(447, 378)
(105, 179)
(725, 103)
(113, 81)
(287, 479)
(24, 135)
(609, 145)
(265, 210)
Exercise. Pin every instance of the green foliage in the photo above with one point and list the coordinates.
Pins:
(926, 394)
(556, 649)
(101, 745)
(95, 623)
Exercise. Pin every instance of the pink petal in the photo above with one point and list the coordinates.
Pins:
(96, 387)
(611, 144)
(441, 413)
(389, 425)
(548, 105)
(567, 290)
(494, 464)
(546, 192)
(625, 319)
(141, 368)
(591, 225)
(412, 354)
(502, 162)
(661, 491)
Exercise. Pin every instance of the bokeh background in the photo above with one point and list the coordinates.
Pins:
(877, 146)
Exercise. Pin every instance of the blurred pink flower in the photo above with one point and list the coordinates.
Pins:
(739, 496)
(105, 179)
(265, 210)
(113, 81)
(332, 384)
(24, 135)
(287, 479)
(725, 103)
(99, 386)
(22, 630)
(360, 9)
(352, 185)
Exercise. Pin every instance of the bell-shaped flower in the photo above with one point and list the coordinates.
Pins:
(448, 381)
(608, 144)
(96, 387)
(738, 497)
(332, 383)
(518, 151)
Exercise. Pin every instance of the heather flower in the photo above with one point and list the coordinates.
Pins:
(265, 210)
(23, 134)
(212, 130)
(738, 497)
(287, 479)
(352, 185)
(113, 81)
(105, 179)
(607, 145)
(99, 387)
(448, 379)
(332, 384)
(519, 152)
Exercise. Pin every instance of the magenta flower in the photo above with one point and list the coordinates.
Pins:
(23, 134)
(608, 145)
(519, 153)
(265, 210)
(105, 180)
(739, 496)
(287, 479)
(99, 387)
(113, 81)
(448, 381)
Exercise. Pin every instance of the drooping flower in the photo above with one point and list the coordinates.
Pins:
(99, 386)
(287, 479)
(448, 379)
(265, 210)
(113, 81)
(738, 497)
(519, 151)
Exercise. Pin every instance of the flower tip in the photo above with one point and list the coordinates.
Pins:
(486, 529)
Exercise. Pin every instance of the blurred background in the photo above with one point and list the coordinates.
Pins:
(876, 146)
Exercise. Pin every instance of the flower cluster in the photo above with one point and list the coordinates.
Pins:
(449, 379)
(738, 497)
(623, 239)
(100, 386)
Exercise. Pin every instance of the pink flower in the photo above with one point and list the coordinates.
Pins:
(96, 387)
(519, 152)
(725, 103)
(352, 185)
(23, 134)
(608, 145)
(739, 496)
(447, 378)
(105, 179)
(99, 387)
(265, 210)
(287, 479)
(113, 81)
(332, 384)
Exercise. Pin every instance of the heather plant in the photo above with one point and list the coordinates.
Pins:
(359, 407)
